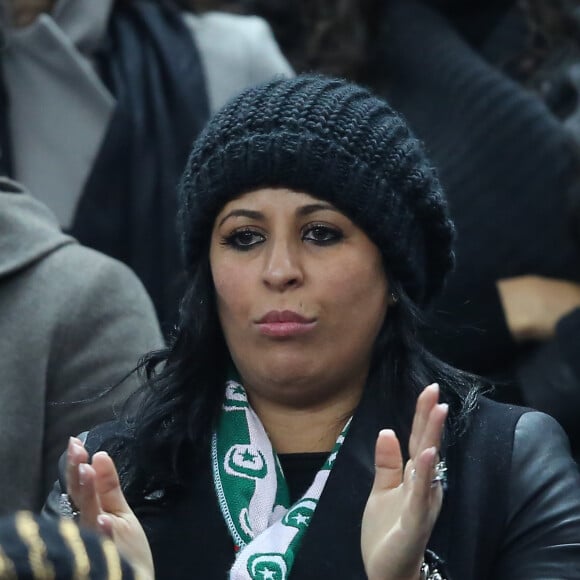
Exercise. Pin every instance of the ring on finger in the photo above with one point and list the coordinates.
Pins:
(439, 474)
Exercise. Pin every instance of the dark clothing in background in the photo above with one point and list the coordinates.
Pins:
(128, 210)
(508, 167)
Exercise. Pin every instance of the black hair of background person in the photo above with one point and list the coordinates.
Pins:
(339, 38)
(128, 208)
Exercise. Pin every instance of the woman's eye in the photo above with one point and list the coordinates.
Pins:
(322, 235)
(243, 239)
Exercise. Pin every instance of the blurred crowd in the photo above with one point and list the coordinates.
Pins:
(100, 102)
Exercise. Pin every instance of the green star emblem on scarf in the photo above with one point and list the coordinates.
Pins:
(267, 567)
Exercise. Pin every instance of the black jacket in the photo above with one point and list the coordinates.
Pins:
(511, 510)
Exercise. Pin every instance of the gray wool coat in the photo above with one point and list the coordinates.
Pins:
(73, 323)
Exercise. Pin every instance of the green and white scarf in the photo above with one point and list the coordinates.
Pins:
(253, 494)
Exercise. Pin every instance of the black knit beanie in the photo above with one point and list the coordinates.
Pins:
(335, 141)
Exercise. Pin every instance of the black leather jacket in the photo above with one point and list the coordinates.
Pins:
(511, 510)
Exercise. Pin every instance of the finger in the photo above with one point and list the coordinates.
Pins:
(76, 455)
(88, 503)
(425, 402)
(388, 461)
(434, 428)
(108, 486)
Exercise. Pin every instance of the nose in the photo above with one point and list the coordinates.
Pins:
(283, 267)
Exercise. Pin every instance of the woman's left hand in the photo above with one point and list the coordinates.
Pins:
(404, 504)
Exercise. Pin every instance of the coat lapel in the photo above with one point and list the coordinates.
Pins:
(332, 542)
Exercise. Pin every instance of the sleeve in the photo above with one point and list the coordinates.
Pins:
(550, 377)
(568, 340)
(542, 538)
(107, 323)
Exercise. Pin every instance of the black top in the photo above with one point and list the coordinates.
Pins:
(299, 470)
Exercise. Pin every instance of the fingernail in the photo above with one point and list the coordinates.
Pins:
(443, 407)
(386, 432)
(433, 387)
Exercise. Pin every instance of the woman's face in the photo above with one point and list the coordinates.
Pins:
(301, 296)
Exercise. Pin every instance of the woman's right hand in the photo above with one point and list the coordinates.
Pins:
(96, 492)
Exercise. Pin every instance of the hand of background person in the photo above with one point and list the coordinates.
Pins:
(96, 492)
(401, 510)
(533, 305)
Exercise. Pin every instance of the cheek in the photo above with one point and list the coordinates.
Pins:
(229, 289)
(360, 288)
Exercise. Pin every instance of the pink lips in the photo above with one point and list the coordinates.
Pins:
(285, 323)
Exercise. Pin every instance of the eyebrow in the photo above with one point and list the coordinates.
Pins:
(313, 207)
(259, 216)
(255, 215)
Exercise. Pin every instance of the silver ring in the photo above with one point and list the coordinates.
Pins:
(440, 474)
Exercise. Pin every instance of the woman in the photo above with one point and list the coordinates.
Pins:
(314, 230)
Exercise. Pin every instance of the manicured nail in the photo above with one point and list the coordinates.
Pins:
(444, 407)
(386, 432)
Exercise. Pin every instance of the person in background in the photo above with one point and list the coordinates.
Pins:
(73, 324)
(100, 104)
(287, 431)
(511, 170)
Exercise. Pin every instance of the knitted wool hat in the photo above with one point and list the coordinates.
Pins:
(335, 141)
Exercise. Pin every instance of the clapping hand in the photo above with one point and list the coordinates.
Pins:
(404, 501)
(96, 492)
